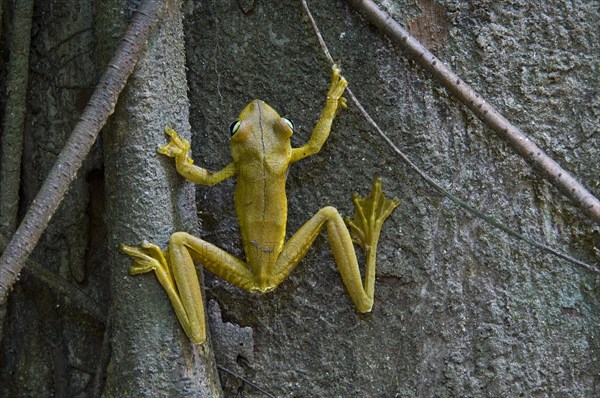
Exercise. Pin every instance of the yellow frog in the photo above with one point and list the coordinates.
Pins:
(261, 152)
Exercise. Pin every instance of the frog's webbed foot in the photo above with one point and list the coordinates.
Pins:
(337, 87)
(176, 148)
(147, 257)
(369, 216)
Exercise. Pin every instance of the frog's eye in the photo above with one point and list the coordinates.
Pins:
(233, 127)
(289, 123)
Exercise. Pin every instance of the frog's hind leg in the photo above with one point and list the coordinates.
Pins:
(371, 212)
(148, 257)
(178, 275)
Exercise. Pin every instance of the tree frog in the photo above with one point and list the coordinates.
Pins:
(261, 152)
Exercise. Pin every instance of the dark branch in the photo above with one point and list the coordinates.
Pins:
(14, 115)
(246, 381)
(522, 144)
(95, 115)
(63, 287)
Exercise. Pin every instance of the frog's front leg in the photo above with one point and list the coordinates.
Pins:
(179, 148)
(370, 214)
(334, 102)
(178, 276)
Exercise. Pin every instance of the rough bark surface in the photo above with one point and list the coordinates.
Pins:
(461, 309)
(149, 355)
(14, 116)
(49, 347)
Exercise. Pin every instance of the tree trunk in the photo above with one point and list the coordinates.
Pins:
(79, 361)
(149, 353)
(460, 308)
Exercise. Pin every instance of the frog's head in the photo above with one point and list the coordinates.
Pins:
(260, 128)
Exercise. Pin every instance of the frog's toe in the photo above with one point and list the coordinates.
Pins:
(380, 206)
(337, 80)
(146, 258)
(151, 247)
(175, 146)
(336, 69)
(141, 267)
(170, 132)
(341, 85)
(176, 139)
(166, 150)
(370, 214)
(131, 251)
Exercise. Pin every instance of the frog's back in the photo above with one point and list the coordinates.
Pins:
(261, 207)
(261, 150)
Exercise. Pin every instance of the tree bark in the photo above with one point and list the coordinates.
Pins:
(14, 115)
(460, 308)
(71, 157)
(146, 199)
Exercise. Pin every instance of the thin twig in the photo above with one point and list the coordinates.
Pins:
(97, 111)
(522, 144)
(461, 203)
(246, 381)
(63, 287)
(14, 114)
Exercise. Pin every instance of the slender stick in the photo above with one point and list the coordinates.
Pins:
(97, 111)
(526, 148)
(14, 114)
(461, 203)
(62, 287)
(246, 381)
